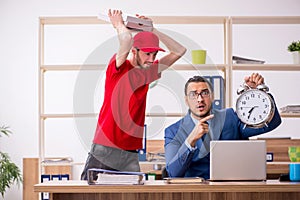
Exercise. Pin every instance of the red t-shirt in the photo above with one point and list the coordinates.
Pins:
(122, 116)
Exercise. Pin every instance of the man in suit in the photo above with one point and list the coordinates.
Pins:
(187, 141)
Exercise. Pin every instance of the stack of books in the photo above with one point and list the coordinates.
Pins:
(111, 177)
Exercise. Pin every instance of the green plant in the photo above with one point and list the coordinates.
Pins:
(294, 46)
(5, 130)
(9, 172)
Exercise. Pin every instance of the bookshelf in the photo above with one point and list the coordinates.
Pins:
(227, 24)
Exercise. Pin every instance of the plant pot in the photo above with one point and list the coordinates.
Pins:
(296, 57)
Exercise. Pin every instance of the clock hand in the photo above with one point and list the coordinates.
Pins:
(250, 111)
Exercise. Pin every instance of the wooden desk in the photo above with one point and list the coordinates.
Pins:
(158, 190)
(274, 169)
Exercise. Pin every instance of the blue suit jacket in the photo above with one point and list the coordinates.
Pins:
(225, 125)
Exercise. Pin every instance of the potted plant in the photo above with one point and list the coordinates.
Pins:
(294, 47)
(9, 171)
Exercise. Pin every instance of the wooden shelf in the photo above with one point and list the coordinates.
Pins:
(189, 19)
(156, 20)
(290, 115)
(188, 67)
(267, 67)
(71, 20)
(61, 163)
(79, 115)
(180, 20)
(72, 67)
(266, 20)
(218, 67)
(82, 115)
(70, 115)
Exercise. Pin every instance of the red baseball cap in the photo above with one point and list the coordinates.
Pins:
(147, 42)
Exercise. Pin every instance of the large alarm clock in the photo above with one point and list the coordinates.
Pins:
(255, 107)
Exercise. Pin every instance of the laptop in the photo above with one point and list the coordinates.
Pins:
(238, 160)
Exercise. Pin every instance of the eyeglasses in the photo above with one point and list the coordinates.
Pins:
(195, 95)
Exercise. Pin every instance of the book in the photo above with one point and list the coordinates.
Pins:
(138, 24)
(132, 22)
(243, 60)
(184, 180)
(112, 177)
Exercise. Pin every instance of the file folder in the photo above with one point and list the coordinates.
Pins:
(217, 83)
(64, 177)
(55, 177)
(142, 152)
(109, 177)
(60, 177)
(45, 178)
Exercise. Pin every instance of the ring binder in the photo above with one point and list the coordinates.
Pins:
(217, 83)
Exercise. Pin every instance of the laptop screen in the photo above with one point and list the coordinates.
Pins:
(237, 160)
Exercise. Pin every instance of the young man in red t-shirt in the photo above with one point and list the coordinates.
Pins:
(121, 119)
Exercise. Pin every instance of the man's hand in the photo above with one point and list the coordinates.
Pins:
(144, 17)
(254, 80)
(199, 130)
(116, 18)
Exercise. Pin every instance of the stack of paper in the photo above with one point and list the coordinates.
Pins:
(58, 160)
(242, 60)
(290, 109)
(109, 177)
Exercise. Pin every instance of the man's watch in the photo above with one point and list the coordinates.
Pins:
(255, 107)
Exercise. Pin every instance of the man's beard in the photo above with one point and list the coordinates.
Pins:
(139, 63)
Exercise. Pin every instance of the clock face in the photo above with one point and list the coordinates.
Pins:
(255, 107)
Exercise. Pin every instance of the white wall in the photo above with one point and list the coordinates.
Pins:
(19, 55)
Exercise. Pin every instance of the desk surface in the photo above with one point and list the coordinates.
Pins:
(160, 186)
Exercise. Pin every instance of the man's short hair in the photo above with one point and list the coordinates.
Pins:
(197, 79)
